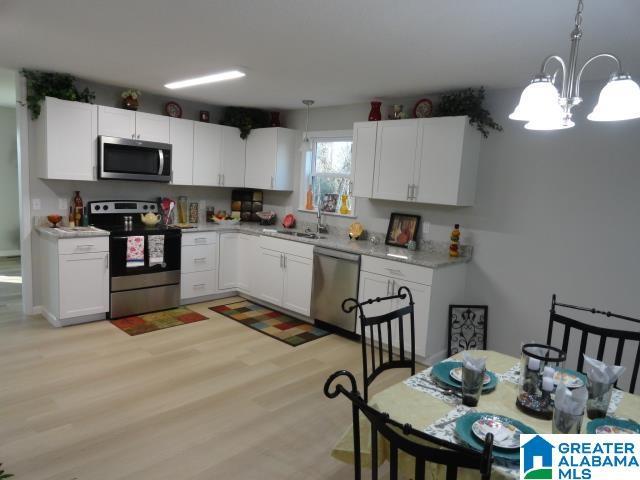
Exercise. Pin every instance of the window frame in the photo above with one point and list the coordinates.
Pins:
(308, 167)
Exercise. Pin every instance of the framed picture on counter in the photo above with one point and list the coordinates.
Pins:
(402, 229)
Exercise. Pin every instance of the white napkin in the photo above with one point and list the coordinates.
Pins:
(476, 364)
(571, 401)
(600, 372)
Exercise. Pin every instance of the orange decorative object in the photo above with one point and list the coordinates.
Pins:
(289, 221)
(454, 248)
(309, 204)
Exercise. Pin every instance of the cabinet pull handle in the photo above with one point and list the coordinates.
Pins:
(138, 136)
(200, 240)
(284, 261)
(200, 259)
(272, 182)
(415, 192)
(223, 179)
(394, 271)
(133, 135)
(393, 286)
(198, 285)
(388, 287)
(88, 245)
(408, 192)
(219, 183)
(106, 262)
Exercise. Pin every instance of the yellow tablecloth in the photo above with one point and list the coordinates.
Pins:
(407, 405)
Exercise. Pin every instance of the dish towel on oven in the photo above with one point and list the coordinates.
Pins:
(135, 251)
(156, 249)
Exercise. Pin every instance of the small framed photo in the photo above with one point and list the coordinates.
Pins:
(329, 202)
(402, 229)
(204, 116)
(194, 210)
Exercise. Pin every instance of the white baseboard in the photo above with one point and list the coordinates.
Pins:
(9, 253)
(65, 322)
(36, 310)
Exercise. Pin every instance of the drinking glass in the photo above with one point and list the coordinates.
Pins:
(599, 398)
(472, 381)
(564, 422)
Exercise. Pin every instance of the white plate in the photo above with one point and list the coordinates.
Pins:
(456, 374)
(505, 435)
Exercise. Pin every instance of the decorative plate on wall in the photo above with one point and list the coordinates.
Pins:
(173, 109)
(423, 109)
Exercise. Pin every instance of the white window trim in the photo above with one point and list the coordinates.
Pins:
(305, 162)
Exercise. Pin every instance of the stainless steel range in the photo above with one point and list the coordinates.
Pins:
(150, 281)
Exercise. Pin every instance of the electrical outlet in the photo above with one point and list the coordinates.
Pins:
(35, 204)
(425, 228)
(62, 204)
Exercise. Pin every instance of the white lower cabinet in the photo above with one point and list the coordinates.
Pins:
(228, 265)
(285, 274)
(199, 274)
(75, 280)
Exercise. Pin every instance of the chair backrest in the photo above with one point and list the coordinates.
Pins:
(422, 447)
(468, 326)
(385, 332)
(589, 333)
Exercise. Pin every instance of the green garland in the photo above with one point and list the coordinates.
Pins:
(245, 119)
(468, 102)
(57, 85)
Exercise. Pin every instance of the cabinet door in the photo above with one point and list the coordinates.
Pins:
(84, 284)
(228, 268)
(261, 159)
(286, 153)
(198, 258)
(69, 144)
(396, 153)
(116, 122)
(363, 158)
(181, 139)
(247, 248)
(447, 166)
(207, 138)
(152, 128)
(298, 273)
(270, 282)
(373, 285)
(421, 298)
(232, 157)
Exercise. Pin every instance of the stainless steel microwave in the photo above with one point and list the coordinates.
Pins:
(128, 159)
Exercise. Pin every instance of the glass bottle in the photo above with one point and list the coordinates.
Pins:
(78, 208)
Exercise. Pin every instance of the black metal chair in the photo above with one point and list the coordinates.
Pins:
(379, 327)
(623, 337)
(422, 447)
(468, 325)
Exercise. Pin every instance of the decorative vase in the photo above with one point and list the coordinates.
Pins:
(275, 119)
(375, 114)
(130, 103)
(344, 208)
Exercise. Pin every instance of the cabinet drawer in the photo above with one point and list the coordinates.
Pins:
(201, 238)
(287, 246)
(412, 273)
(198, 258)
(197, 284)
(83, 245)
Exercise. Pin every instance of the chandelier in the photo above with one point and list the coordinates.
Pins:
(544, 108)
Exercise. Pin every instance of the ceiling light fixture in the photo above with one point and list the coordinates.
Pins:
(216, 77)
(306, 144)
(544, 108)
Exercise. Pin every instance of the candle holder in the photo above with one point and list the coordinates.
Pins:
(533, 398)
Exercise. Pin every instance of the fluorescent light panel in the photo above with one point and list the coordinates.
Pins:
(216, 77)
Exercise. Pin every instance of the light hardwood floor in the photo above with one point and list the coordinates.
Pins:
(209, 400)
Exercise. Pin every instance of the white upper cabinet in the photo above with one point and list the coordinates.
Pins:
(207, 141)
(395, 156)
(152, 128)
(448, 163)
(232, 158)
(271, 153)
(363, 158)
(67, 140)
(426, 160)
(118, 122)
(181, 140)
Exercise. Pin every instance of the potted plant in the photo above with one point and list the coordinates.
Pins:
(130, 98)
(245, 119)
(468, 102)
(50, 84)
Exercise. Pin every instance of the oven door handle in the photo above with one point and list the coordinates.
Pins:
(161, 156)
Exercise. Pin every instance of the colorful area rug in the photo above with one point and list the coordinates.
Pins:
(150, 322)
(277, 325)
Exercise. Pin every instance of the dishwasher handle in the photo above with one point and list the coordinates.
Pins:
(327, 252)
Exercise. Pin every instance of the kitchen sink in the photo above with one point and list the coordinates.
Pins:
(312, 236)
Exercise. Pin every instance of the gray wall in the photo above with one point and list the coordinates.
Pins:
(9, 201)
(556, 212)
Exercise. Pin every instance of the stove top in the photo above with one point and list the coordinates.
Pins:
(137, 229)
(111, 214)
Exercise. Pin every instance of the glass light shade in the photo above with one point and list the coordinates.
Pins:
(549, 123)
(619, 100)
(539, 99)
(305, 146)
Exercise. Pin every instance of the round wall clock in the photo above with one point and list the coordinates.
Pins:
(423, 109)
(173, 109)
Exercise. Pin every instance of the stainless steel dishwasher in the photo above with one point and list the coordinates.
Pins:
(335, 277)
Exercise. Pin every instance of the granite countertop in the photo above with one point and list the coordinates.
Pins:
(72, 232)
(431, 254)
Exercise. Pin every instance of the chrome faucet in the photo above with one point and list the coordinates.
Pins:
(320, 227)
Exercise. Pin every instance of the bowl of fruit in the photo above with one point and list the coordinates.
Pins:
(221, 218)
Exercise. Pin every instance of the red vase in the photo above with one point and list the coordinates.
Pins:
(375, 114)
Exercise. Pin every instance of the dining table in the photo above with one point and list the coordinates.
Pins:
(416, 402)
